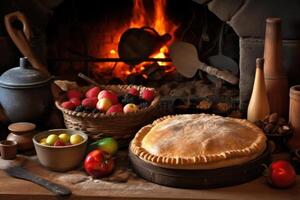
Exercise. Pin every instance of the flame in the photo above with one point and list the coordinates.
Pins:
(141, 18)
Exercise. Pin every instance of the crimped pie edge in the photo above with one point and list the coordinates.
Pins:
(228, 158)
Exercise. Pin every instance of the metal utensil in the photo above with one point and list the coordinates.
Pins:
(185, 58)
(14, 168)
(222, 61)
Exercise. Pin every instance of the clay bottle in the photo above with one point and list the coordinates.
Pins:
(275, 77)
(258, 107)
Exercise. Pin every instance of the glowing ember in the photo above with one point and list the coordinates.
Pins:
(140, 18)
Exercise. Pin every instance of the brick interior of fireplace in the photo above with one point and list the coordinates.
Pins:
(80, 29)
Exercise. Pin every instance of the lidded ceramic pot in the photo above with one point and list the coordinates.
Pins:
(22, 133)
(25, 93)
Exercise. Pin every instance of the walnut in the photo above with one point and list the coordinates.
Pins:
(281, 121)
(284, 129)
(275, 130)
(273, 118)
(268, 128)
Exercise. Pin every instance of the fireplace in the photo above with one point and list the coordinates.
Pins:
(85, 37)
(199, 23)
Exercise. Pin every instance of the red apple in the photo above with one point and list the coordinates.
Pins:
(109, 95)
(68, 105)
(130, 107)
(74, 94)
(90, 102)
(133, 91)
(93, 92)
(98, 163)
(59, 143)
(118, 108)
(104, 104)
(75, 101)
(148, 95)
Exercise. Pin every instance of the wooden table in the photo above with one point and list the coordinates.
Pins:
(84, 187)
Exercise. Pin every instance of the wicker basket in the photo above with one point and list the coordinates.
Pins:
(118, 125)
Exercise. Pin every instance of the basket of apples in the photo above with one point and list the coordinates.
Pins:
(118, 111)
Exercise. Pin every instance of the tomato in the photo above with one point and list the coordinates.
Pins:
(282, 174)
(99, 163)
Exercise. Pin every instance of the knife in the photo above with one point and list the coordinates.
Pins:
(20, 172)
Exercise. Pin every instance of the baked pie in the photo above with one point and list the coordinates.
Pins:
(198, 141)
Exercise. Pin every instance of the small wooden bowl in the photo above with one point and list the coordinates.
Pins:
(60, 158)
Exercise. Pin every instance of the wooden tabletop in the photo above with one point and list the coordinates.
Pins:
(84, 187)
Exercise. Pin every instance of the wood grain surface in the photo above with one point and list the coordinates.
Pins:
(84, 187)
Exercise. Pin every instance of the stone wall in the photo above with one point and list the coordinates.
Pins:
(247, 18)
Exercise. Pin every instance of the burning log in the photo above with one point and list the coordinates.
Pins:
(154, 72)
(140, 43)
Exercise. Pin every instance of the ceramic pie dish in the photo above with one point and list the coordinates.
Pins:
(207, 145)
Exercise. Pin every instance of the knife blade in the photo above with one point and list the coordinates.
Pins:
(20, 172)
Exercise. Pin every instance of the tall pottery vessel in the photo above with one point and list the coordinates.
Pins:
(275, 76)
(258, 107)
(294, 116)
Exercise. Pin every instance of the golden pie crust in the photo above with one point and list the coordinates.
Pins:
(198, 141)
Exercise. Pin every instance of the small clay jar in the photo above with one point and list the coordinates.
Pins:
(22, 133)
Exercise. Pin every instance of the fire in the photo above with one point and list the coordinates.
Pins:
(141, 18)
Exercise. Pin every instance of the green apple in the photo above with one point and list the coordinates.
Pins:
(108, 144)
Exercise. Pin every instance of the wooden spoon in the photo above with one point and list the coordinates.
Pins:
(22, 37)
(185, 58)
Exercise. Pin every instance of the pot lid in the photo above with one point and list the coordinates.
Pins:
(23, 76)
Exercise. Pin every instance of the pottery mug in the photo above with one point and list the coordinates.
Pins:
(8, 149)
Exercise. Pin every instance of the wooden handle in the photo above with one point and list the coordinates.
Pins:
(19, 172)
(224, 75)
(21, 38)
(89, 80)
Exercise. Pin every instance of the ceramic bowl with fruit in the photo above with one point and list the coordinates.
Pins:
(60, 149)
(117, 111)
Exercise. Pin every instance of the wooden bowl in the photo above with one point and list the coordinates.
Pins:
(60, 158)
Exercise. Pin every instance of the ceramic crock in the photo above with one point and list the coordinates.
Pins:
(25, 93)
